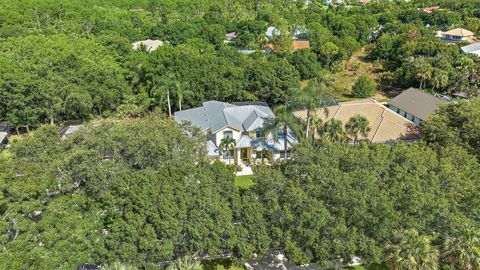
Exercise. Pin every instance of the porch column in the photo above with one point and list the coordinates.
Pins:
(249, 155)
(235, 156)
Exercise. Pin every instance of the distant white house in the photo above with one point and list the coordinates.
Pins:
(272, 32)
(472, 48)
(457, 35)
(244, 122)
(231, 37)
(3, 133)
(149, 45)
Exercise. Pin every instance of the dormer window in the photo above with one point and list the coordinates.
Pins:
(258, 133)
(228, 133)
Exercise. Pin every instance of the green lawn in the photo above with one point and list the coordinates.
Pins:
(244, 181)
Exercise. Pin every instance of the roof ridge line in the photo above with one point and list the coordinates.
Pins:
(379, 123)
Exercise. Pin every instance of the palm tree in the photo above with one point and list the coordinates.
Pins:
(423, 71)
(410, 251)
(315, 124)
(168, 84)
(333, 131)
(463, 251)
(120, 266)
(185, 263)
(227, 144)
(356, 126)
(284, 120)
(311, 98)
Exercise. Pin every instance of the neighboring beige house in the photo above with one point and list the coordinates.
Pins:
(385, 125)
(244, 123)
(457, 35)
(149, 44)
(430, 9)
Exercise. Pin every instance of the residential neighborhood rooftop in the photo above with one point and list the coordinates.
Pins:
(216, 115)
(459, 32)
(472, 48)
(430, 9)
(3, 137)
(386, 125)
(297, 44)
(150, 45)
(417, 102)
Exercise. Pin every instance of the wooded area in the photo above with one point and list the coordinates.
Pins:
(135, 188)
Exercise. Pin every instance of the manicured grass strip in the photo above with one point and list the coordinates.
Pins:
(244, 181)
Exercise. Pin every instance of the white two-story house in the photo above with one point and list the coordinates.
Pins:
(244, 123)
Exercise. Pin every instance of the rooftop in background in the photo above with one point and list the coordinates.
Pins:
(417, 103)
(271, 32)
(150, 45)
(386, 126)
(4, 126)
(3, 137)
(297, 44)
(472, 48)
(69, 130)
(430, 9)
(216, 115)
(459, 32)
(230, 37)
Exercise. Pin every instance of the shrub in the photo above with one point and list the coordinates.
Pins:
(364, 87)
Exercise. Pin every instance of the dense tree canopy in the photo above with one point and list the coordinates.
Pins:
(137, 188)
(141, 192)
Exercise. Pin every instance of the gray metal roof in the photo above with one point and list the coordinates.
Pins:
(3, 137)
(417, 103)
(215, 115)
(212, 150)
(3, 126)
(472, 48)
(244, 142)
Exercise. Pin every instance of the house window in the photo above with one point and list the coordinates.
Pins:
(258, 133)
(228, 133)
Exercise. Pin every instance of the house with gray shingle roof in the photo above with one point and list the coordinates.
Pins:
(415, 105)
(243, 122)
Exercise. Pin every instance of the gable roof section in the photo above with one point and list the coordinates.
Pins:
(472, 48)
(459, 32)
(417, 103)
(215, 115)
(385, 125)
(431, 9)
(300, 44)
(150, 45)
(297, 44)
(3, 137)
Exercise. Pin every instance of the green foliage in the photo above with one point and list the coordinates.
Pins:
(357, 126)
(305, 62)
(346, 200)
(244, 181)
(455, 124)
(364, 87)
(463, 250)
(136, 191)
(409, 250)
